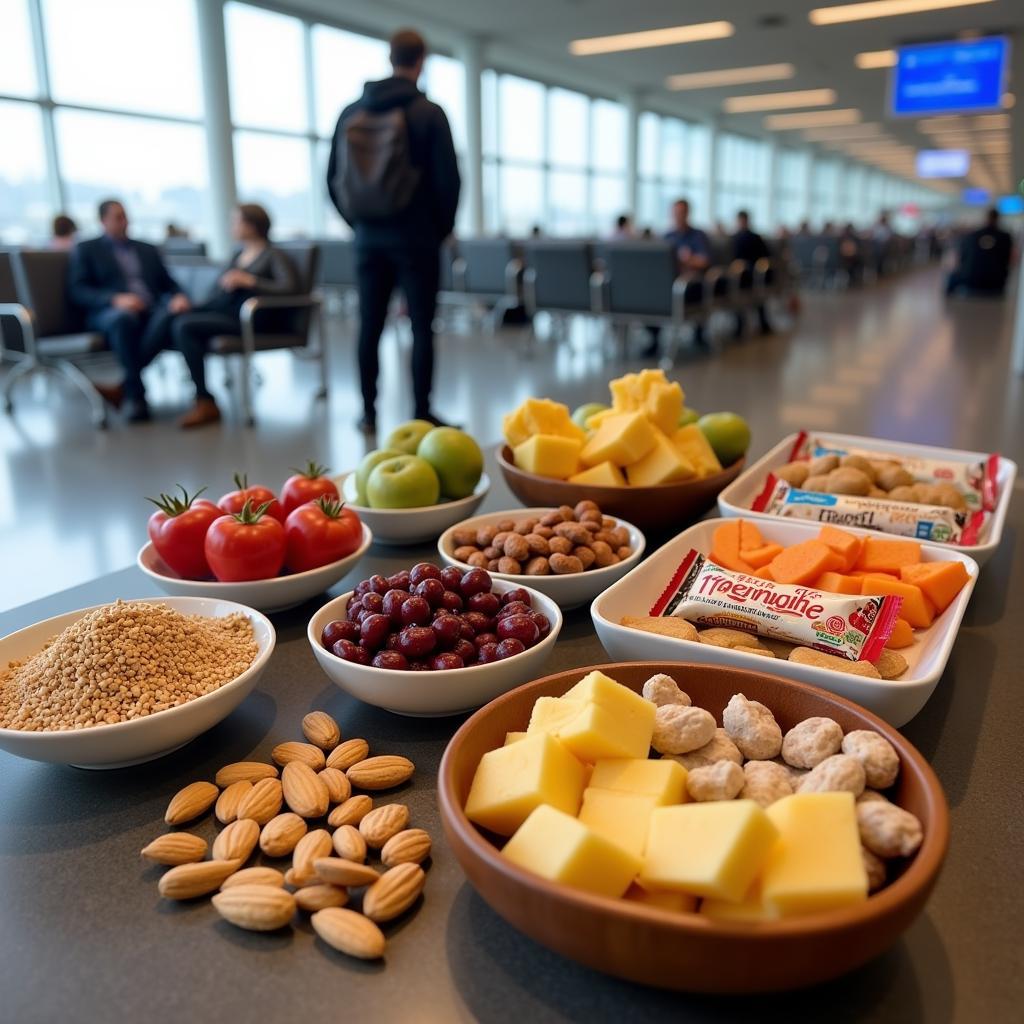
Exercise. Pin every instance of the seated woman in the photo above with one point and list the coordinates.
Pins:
(256, 268)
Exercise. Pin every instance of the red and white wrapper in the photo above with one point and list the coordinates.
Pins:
(849, 626)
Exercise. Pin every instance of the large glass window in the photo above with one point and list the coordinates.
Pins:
(568, 134)
(791, 187)
(741, 180)
(24, 203)
(824, 191)
(342, 62)
(17, 68)
(672, 164)
(274, 170)
(444, 82)
(520, 119)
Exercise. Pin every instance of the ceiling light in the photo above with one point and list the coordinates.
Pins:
(875, 59)
(841, 132)
(779, 100)
(989, 121)
(882, 9)
(811, 119)
(730, 76)
(652, 37)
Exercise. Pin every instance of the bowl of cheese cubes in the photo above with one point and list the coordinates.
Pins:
(777, 837)
(634, 458)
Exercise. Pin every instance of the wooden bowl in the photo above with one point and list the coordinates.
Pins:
(662, 507)
(689, 952)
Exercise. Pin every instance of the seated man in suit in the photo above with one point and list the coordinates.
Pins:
(125, 292)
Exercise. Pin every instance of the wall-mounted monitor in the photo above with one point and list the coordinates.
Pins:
(943, 163)
(961, 76)
(976, 197)
(1010, 206)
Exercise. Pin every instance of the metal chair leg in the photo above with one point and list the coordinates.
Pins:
(19, 370)
(322, 353)
(98, 411)
(245, 390)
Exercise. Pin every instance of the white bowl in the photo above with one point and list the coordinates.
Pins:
(568, 591)
(273, 595)
(736, 499)
(411, 525)
(433, 694)
(895, 700)
(142, 739)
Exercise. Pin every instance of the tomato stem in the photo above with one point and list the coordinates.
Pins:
(331, 507)
(250, 514)
(241, 481)
(313, 469)
(171, 505)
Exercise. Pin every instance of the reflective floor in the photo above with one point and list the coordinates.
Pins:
(893, 361)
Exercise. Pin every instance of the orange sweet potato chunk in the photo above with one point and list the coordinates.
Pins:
(750, 537)
(764, 573)
(804, 562)
(758, 557)
(888, 555)
(902, 635)
(940, 581)
(725, 546)
(916, 608)
(838, 583)
(846, 545)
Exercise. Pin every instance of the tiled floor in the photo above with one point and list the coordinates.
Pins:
(893, 361)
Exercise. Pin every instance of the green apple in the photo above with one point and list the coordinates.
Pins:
(403, 482)
(407, 437)
(727, 433)
(365, 468)
(584, 412)
(688, 416)
(456, 459)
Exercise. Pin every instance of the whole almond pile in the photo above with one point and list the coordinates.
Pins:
(312, 834)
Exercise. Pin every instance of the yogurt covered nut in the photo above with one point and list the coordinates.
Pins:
(811, 741)
(764, 782)
(869, 796)
(719, 781)
(752, 727)
(720, 748)
(836, 774)
(876, 754)
(888, 830)
(795, 774)
(874, 867)
(663, 691)
(679, 729)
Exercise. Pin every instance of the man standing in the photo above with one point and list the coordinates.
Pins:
(394, 178)
(124, 290)
(748, 247)
(983, 262)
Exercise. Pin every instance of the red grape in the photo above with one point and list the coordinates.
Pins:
(478, 622)
(452, 601)
(487, 654)
(451, 577)
(466, 631)
(475, 581)
(391, 644)
(373, 602)
(465, 650)
(516, 594)
(509, 648)
(348, 651)
(392, 606)
(514, 608)
(519, 627)
(423, 571)
(485, 602)
(353, 608)
(446, 661)
(339, 629)
(362, 587)
(400, 580)
(415, 611)
(432, 590)
(415, 641)
(373, 631)
(390, 659)
(379, 584)
(543, 623)
(485, 638)
(447, 630)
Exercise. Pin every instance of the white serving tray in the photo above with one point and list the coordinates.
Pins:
(897, 700)
(736, 499)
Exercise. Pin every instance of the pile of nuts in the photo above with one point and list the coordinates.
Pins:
(749, 757)
(564, 541)
(260, 809)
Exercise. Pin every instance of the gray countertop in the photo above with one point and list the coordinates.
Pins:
(85, 937)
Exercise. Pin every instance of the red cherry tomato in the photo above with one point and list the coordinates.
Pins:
(178, 532)
(320, 532)
(307, 485)
(234, 501)
(246, 546)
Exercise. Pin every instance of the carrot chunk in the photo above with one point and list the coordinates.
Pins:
(940, 581)
(804, 562)
(846, 545)
(838, 583)
(887, 554)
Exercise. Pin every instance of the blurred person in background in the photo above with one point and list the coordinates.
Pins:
(624, 227)
(850, 258)
(126, 294)
(748, 247)
(394, 178)
(64, 233)
(983, 259)
(256, 268)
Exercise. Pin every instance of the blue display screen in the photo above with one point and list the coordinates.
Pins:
(949, 78)
(1010, 205)
(975, 197)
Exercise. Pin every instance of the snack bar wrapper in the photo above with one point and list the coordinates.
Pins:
(849, 626)
(935, 523)
(976, 481)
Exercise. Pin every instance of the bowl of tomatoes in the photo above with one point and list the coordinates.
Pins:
(265, 550)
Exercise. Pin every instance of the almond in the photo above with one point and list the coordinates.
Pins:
(409, 847)
(339, 789)
(349, 844)
(226, 808)
(262, 802)
(187, 881)
(381, 772)
(335, 871)
(236, 841)
(382, 823)
(285, 753)
(349, 932)
(304, 791)
(190, 802)
(281, 833)
(317, 897)
(311, 847)
(259, 908)
(321, 730)
(394, 892)
(346, 754)
(175, 848)
(351, 812)
(245, 771)
(254, 876)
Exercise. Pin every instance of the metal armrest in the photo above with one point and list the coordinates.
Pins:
(709, 285)
(459, 273)
(679, 299)
(530, 290)
(513, 270)
(26, 321)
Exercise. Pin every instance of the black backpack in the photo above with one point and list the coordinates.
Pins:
(374, 177)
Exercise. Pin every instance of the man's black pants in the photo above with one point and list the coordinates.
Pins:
(414, 269)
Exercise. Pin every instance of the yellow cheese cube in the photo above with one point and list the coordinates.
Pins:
(514, 737)
(690, 442)
(549, 455)
(604, 474)
(707, 849)
(602, 689)
(620, 817)
(562, 849)
(596, 732)
(663, 464)
(751, 908)
(551, 713)
(512, 780)
(816, 863)
(681, 902)
(621, 439)
(543, 416)
(663, 780)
